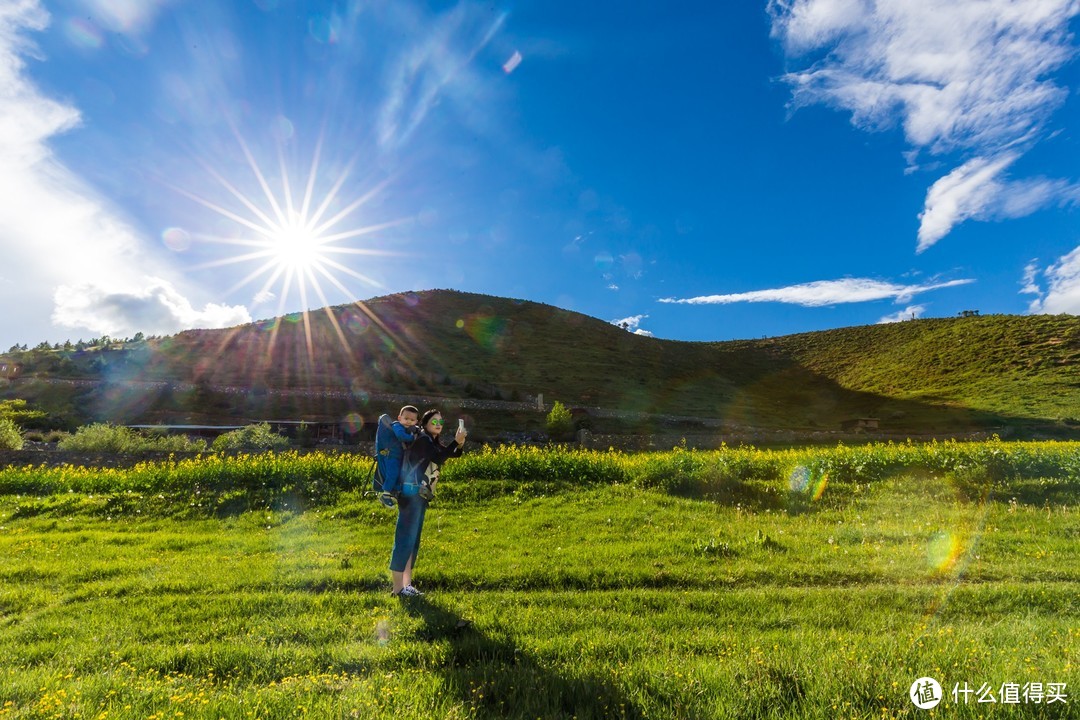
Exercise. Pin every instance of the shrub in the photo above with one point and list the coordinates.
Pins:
(101, 437)
(560, 422)
(106, 437)
(10, 437)
(252, 437)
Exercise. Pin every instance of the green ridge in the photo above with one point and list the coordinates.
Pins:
(983, 372)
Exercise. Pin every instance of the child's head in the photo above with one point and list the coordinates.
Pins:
(408, 416)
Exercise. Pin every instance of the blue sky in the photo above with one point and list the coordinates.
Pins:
(702, 172)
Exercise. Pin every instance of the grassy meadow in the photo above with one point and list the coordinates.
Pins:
(739, 583)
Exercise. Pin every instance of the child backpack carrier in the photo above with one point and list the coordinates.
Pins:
(384, 475)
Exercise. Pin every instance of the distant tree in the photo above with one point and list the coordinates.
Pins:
(560, 422)
(67, 366)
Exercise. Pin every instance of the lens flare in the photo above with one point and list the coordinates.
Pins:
(803, 480)
(176, 239)
(799, 479)
(355, 322)
(487, 331)
(942, 551)
(84, 34)
(352, 423)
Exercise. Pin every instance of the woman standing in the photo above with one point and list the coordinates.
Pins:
(419, 473)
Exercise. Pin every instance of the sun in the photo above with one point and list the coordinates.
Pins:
(293, 243)
(296, 248)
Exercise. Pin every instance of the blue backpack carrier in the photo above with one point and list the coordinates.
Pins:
(389, 451)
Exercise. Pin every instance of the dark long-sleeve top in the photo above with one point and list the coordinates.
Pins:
(422, 460)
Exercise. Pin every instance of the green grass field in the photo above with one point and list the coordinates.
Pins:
(745, 584)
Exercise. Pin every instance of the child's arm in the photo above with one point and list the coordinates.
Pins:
(403, 433)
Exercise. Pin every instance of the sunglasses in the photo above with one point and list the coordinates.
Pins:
(437, 423)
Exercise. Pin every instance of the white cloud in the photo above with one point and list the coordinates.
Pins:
(821, 293)
(806, 25)
(125, 16)
(633, 324)
(630, 322)
(977, 190)
(59, 233)
(156, 309)
(967, 76)
(436, 69)
(1063, 291)
(1031, 272)
(909, 313)
(26, 117)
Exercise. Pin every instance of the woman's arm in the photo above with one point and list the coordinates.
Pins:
(440, 452)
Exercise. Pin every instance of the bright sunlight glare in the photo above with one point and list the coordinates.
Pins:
(293, 247)
(296, 247)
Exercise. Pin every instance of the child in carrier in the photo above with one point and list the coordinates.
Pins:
(391, 438)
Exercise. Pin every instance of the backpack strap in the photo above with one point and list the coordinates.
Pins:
(376, 478)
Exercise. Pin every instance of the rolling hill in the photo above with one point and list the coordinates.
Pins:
(934, 375)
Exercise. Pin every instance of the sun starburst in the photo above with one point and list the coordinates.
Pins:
(296, 249)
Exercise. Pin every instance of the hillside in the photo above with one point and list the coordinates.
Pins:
(931, 375)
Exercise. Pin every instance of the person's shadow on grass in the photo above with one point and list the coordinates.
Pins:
(497, 679)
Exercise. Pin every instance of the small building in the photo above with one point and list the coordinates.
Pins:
(860, 424)
(8, 369)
